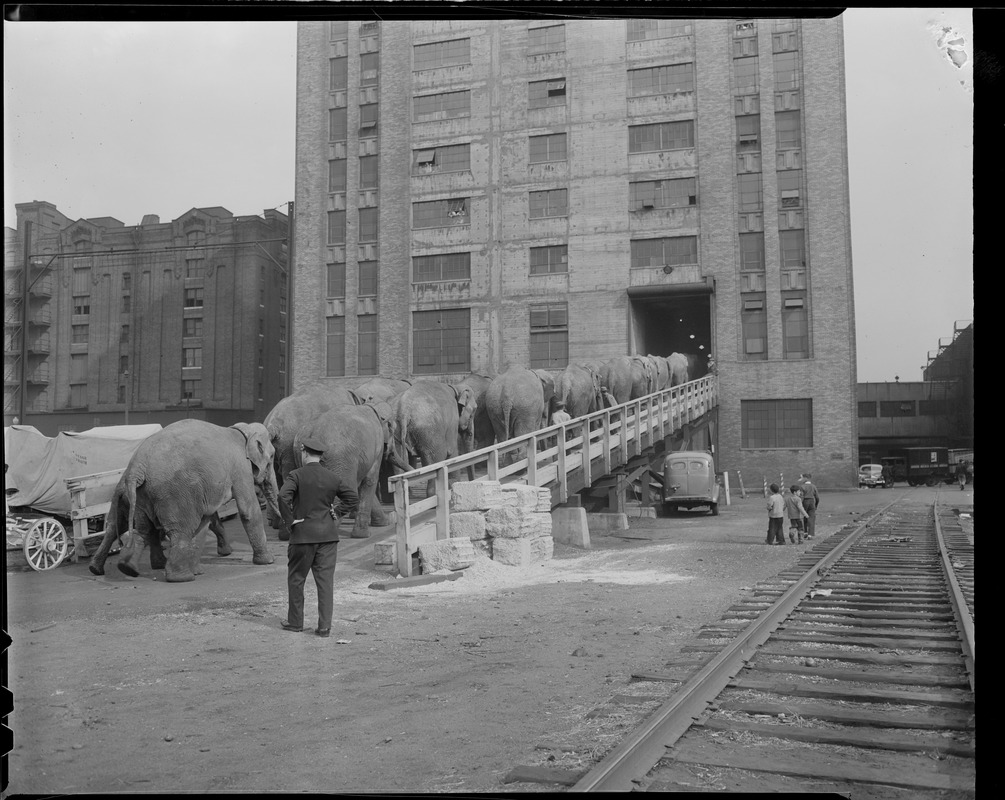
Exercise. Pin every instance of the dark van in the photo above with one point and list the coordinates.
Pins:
(689, 480)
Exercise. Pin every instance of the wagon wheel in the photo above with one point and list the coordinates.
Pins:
(45, 544)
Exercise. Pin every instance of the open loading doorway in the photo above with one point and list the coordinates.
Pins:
(675, 319)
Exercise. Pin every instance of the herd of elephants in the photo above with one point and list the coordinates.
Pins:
(178, 479)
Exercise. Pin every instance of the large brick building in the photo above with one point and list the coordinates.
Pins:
(144, 323)
(473, 193)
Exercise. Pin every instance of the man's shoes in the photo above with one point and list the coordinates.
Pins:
(323, 632)
(293, 628)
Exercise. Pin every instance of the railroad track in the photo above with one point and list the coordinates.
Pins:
(853, 673)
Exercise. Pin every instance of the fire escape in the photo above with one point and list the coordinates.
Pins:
(27, 321)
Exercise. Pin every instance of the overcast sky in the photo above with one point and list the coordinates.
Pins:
(126, 119)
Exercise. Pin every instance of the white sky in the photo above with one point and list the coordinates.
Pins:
(126, 119)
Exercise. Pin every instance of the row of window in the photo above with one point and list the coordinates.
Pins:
(795, 327)
(903, 408)
(791, 250)
(786, 72)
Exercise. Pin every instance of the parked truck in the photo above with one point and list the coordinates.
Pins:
(928, 465)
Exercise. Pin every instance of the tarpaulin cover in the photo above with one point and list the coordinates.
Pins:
(38, 465)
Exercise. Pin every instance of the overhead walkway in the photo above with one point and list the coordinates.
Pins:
(597, 455)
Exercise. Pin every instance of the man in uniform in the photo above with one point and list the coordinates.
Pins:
(307, 503)
(811, 499)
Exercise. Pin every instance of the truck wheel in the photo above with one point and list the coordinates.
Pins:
(714, 509)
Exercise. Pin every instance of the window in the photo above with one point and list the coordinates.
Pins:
(441, 54)
(335, 346)
(338, 30)
(369, 69)
(754, 324)
(127, 305)
(788, 40)
(337, 181)
(195, 267)
(78, 395)
(441, 341)
(550, 39)
(867, 408)
(549, 260)
(192, 326)
(660, 136)
(81, 281)
(640, 29)
(661, 80)
(748, 133)
(282, 361)
(542, 94)
(127, 282)
(336, 227)
(668, 251)
(282, 299)
(445, 158)
(551, 147)
(124, 334)
(750, 191)
(447, 105)
(368, 225)
(195, 238)
(82, 304)
(744, 46)
(745, 74)
(78, 368)
(776, 423)
(441, 267)
(549, 335)
(787, 130)
(338, 124)
(795, 326)
(752, 252)
(786, 70)
(336, 280)
(339, 74)
(789, 188)
(674, 193)
(78, 334)
(367, 278)
(366, 350)
(549, 203)
(123, 365)
(191, 356)
(191, 389)
(436, 213)
(368, 116)
(193, 298)
(792, 249)
(896, 408)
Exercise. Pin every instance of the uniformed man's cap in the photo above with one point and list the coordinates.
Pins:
(313, 444)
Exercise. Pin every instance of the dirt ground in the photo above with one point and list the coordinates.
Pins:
(136, 685)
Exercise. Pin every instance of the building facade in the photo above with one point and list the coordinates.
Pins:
(476, 193)
(144, 323)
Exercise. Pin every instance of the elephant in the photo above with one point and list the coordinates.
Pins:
(616, 375)
(519, 401)
(662, 372)
(479, 384)
(291, 413)
(696, 366)
(579, 389)
(433, 421)
(174, 485)
(678, 368)
(355, 439)
(384, 389)
(643, 377)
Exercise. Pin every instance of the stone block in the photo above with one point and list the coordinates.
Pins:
(542, 548)
(569, 526)
(470, 524)
(607, 522)
(383, 553)
(512, 552)
(483, 548)
(446, 554)
(475, 495)
(520, 496)
(510, 522)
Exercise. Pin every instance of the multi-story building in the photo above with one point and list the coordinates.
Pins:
(474, 193)
(144, 323)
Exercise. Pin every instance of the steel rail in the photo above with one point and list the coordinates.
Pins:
(647, 744)
(964, 621)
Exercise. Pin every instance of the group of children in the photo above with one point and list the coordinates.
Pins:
(798, 503)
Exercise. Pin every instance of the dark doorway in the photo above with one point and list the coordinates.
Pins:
(677, 323)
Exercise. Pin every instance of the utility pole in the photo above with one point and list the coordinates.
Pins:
(290, 254)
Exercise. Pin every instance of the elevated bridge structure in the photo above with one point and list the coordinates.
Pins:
(591, 460)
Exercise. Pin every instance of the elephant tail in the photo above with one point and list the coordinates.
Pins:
(132, 481)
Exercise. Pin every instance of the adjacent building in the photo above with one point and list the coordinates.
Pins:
(144, 323)
(475, 193)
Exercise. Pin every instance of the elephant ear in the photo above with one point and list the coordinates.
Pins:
(258, 447)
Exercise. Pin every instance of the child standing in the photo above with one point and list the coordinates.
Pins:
(776, 516)
(795, 512)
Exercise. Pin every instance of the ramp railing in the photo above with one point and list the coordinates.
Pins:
(544, 458)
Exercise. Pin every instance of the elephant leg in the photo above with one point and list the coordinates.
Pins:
(223, 547)
(97, 562)
(251, 519)
(369, 508)
(158, 559)
(134, 549)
